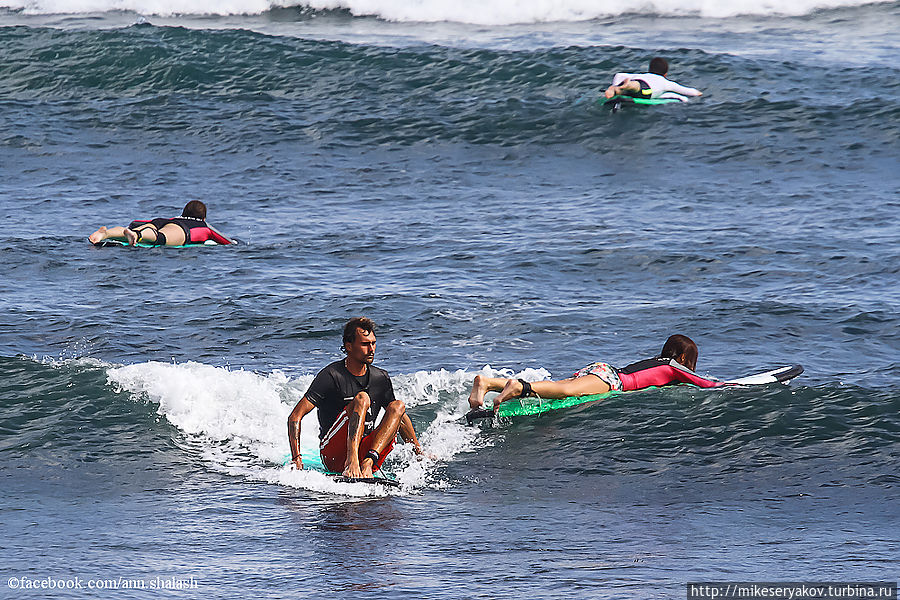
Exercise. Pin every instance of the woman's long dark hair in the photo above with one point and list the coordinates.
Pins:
(195, 210)
(681, 348)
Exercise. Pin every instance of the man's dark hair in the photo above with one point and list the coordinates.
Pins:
(364, 323)
(659, 66)
(194, 209)
(681, 347)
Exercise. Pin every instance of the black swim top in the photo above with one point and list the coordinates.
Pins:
(334, 387)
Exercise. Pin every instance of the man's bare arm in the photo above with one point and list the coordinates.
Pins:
(303, 408)
(409, 434)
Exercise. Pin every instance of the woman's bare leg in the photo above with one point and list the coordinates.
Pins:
(124, 234)
(482, 385)
(148, 234)
(112, 233)
(585, 385)
(144, 233)
(627, 85)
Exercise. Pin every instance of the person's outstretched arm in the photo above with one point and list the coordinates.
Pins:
(217, 236)
(303, 408)
(685, 375)
(409, 434)
(671, 86)
(656, 372)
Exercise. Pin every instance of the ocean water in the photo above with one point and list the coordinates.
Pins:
(446, 169)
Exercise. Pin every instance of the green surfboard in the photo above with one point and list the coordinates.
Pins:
(533, 405)
(617, 102)
(536, 406)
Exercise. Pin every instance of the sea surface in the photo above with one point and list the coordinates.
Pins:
(446, 169)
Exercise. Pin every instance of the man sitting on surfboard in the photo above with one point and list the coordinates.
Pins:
(648, 85)
(675, 364)
(349, 394)
(190, 228)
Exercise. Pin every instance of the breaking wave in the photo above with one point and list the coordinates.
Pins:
(493, 12)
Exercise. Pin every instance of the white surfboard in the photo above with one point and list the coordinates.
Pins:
(781, 374)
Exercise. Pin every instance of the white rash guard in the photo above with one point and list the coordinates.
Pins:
(659, 85)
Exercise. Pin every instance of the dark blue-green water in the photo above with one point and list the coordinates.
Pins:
(460, 185)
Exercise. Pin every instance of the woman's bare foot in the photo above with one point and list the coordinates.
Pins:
(98, 236)
(615, 90)
(512, 389)
(479, 389)
(131, 236)
(627, 85)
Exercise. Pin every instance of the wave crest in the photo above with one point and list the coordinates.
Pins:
(235, 420)
(508, 12)
(477, 12)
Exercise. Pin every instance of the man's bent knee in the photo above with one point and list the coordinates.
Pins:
(361, 401)
(396, 407)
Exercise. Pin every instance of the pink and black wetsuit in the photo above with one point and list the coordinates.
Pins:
(658, 372)
(196, 231)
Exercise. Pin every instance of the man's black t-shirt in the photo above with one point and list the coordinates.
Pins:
(334, 387)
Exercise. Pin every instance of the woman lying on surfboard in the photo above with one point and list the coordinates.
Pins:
(675, 364)
(190, 228)
(648, 85)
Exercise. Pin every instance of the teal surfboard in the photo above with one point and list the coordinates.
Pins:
(313, 462)
(110, 243)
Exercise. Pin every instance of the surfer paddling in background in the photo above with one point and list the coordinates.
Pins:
(190, 228)
(675, 364)
(648, 85)
(349, 394)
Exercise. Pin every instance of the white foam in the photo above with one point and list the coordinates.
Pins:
(144, 7)
(506, 12)
(236, 421)
(479, 12)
